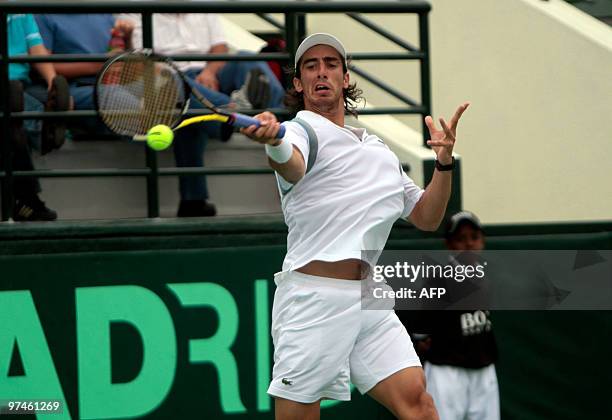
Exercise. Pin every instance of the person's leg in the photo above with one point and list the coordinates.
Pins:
(38, 91)
(83, 97)
(234, 74)
(24, 187)
(403, 393)
(28, 205)
(291, 410)
(449, 388)
(189, 144)
(315, 322)
(189, 147)
(484, 394)
(219, 99)
(22, 156)
(48, 134)
(385, 366)
(54, 131)
(82, 100)
(33, 128)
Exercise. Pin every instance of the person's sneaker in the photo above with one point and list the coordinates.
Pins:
(32, 210)
(259, 90)
(196, 208)
(255, 93)
(54, 131)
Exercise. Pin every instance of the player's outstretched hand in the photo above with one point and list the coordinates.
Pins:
(266, 132)
(443, 141)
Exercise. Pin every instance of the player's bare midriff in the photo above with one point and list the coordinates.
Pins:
(350, 269)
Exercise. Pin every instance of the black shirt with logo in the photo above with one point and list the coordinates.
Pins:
(458, 338)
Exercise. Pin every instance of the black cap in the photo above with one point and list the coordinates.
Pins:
(459, 219)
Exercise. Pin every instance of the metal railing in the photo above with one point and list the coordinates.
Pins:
(293, 29)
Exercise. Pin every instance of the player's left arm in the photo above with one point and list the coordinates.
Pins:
(429, 211)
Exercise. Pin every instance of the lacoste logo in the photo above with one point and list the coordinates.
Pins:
(287, 381)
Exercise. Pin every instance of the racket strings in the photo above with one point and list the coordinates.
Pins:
(136, 93)
(167, 91)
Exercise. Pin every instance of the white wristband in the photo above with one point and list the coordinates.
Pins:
(281, 153)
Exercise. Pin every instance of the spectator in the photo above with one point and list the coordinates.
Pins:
(236, 83)
(459, 347)
(81, 34)
(24, 38)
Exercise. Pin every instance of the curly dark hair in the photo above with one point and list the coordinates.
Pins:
(294, 100)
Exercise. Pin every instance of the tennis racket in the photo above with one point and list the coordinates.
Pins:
(138, 90)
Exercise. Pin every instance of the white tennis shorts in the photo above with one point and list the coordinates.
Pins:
(461, 393)
(322, 339)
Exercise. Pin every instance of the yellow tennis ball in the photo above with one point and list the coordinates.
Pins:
(160, 137)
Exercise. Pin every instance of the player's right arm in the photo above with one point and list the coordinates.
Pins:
(293, 169)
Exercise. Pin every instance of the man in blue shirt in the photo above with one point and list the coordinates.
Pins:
(79, 34)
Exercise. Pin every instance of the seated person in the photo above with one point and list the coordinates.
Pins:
(81, 34)
(27, 205)
(24, 38)
(242, 84)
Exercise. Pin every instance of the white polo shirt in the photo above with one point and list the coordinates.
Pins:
(180, 33)
(349, 200)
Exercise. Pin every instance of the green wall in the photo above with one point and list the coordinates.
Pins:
(170, 319)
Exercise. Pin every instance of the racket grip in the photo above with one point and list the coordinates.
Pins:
(241, 120)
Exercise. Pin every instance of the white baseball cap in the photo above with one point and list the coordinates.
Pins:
(320, 39)
(459, 219)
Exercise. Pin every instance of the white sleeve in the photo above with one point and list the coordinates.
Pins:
(215, 29)
(297, 136)
(412, 194)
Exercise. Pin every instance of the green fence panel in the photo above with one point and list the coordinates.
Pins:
(167, 319)
(161, 333)
(554, 364)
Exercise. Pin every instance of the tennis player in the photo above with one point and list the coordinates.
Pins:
(342, 189)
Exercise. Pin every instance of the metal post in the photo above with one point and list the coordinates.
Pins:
(425, 72)
(5, 128)
(151, 156)
(301, 26)
(291, 34)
